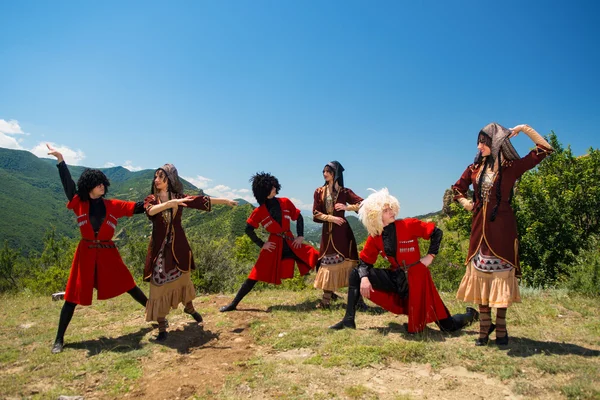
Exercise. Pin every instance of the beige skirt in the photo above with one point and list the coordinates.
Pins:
(494, 289)
(163, 298)
(333, 277)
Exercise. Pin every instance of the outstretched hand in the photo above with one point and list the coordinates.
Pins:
(53, 152)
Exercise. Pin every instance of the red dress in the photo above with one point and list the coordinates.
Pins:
(97, 262)
(423, 304)
(270, 267)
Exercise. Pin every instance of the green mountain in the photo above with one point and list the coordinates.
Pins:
(33, 201)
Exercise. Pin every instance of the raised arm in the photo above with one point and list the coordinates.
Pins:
(227, 202)
(65, 176)
(533, 135)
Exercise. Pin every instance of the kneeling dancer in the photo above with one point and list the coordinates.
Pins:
(406, 287)
(277, 256)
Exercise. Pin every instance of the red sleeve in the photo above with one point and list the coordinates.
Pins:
(292, 208)
(255, 218)
(122, 208)
(532, 159)
(419, 228)
(461, 186)
(200, 203)
(74, 202)
(353, 198)
(370, 252)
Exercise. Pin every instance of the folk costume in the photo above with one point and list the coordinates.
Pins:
(493, 258)
(406, 287)
(169, 259)
(275, 215)
(338, 254)
(97, 262)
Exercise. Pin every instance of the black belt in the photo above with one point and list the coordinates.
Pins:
(100, 244)
(282, 235)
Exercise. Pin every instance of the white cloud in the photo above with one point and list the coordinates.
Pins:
(128, 165)
(301, 205)
(72, 157)
(229, 193)
(10, 127)
(9, 142)
(109, 165)
(199, 181)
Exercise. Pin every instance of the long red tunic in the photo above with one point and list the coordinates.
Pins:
(500, 236)
(270, 267)
(423, 304)
(97, 263)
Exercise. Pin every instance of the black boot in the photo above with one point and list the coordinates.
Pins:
(138, 295)
(57, 347)
(361, 305)
(348, 321)
(244, 290)
(484, 340)
(66, 313)
(459, 321)
(189, 309)
(502, 341)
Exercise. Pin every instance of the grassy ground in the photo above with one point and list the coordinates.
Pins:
(278, 346)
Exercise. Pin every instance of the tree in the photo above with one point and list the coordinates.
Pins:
(8, 260)
(558, 209)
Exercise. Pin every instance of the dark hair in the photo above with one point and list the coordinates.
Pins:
(489, 162)
(262, 184)
(169, 185)
(89, 179)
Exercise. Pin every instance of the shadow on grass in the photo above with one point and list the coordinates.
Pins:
(429, 334)
(524, 347)
(121, 344)
(311, 305)
(192, 336)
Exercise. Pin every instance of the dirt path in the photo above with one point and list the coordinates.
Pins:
(204, 356)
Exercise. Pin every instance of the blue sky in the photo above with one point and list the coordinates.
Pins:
(396, 91)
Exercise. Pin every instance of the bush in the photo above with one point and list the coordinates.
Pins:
(585, 272)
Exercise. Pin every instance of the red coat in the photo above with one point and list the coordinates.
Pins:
(501, 235)
(423, 304)
(270, 267)
(97, 262)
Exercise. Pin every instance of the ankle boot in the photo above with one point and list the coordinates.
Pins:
(57, 347)
(195, 314)
(502, 341)
(484, 340)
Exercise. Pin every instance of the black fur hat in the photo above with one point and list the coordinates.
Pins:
(89, 179)
(262, 184)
